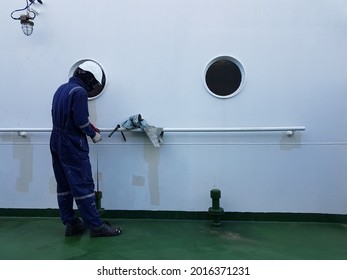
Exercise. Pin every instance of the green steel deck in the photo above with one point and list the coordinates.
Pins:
(23, 238)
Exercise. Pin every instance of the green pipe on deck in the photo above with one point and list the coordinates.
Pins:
(216, 211)
(98, 196)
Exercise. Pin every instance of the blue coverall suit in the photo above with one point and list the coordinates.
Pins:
(70, 153)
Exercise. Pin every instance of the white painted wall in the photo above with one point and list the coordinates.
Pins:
(154, 54)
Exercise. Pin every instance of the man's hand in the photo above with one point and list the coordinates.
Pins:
(97, 137)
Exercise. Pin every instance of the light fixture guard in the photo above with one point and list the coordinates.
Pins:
(26, 21)
(27, 25)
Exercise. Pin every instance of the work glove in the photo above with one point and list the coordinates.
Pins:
(97, 137)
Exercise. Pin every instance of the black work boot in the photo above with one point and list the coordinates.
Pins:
(75, 228)
(105, 230)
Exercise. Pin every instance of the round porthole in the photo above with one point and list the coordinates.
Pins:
(98, 89)
(224, 77)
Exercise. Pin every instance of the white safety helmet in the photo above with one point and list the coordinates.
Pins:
(93, 68)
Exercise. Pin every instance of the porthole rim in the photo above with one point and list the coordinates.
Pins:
(238, 64)
(74, 67)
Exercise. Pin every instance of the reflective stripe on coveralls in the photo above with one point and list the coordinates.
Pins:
(77, 198)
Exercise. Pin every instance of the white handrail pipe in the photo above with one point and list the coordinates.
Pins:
(290, 130)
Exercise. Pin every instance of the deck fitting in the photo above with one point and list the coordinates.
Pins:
(98, 196)
(216, 211)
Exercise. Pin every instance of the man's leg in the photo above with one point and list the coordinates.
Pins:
(64, 195)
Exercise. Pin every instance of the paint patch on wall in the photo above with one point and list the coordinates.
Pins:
(293, 142)
(138, 181)
(24, 153)
(152, 157)
(52, 185)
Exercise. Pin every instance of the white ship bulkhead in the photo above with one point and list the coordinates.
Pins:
(154, 55)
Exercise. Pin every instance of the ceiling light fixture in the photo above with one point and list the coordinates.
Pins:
(26, 20)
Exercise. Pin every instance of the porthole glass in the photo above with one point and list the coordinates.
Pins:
(99, 88)
(224, 77)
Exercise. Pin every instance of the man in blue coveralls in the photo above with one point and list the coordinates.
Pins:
(70, 153)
